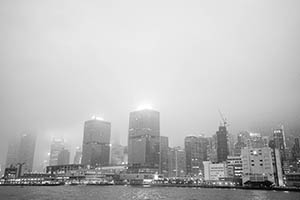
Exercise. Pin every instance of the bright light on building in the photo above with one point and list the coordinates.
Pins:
(145, 107)
(97, 118)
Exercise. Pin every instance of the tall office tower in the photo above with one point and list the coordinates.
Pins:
(260, 165)
(117, 154)
(78, 156)
(196, 153)
(222, 144)
(12, 152)
(279, 142)
(63, 157)
(296, 150)
(212, 149)
(96, 143)
(230, 142)
(239, 145)
(57, 145)
(26, 150)
(176, 162)
(163, 155)
(143, 141)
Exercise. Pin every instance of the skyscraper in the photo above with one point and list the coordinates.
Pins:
(78, 156)
(279, 142)
(176, 162)
(12, 152)
(26, 150)
(143, 140)
(163, 155)
(57, 145)
(196, 153)
(96, 143)
(63, 157)
(222, 146)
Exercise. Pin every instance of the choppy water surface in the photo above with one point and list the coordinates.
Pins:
(138, 193)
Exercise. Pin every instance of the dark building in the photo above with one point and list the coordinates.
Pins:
(96, 143)
(163, 155)
(26, 151)
(63, 157)
(222, 145)
(143, 141)
(196, 153)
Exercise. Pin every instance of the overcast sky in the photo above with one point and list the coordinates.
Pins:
(62, 61)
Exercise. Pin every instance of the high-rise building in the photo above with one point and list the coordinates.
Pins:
(96, 143)
(26, 150)
(163, 155)
(57, 145)
(143, 141)
(196, 153)
(176, 162)
(279, 141)
(63, 157)
(12, 152)
(222, 144)
(117, 154)
(239, 145)
(78, 156)
(212, 149)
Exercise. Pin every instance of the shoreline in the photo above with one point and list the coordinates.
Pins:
(290, 189)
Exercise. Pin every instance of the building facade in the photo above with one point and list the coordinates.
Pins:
(196, 153)
(214, 171)
(57, 145)
(177, 163)
(63, 157)
(27, 150)
(222, 144)
(143, 141)
(261, 166)
(96, 143)
(163, 155)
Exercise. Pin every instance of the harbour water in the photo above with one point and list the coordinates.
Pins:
(138, 193)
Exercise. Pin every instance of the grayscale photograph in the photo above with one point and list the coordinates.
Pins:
(150, 99)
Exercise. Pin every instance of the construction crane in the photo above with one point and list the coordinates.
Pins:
(225, 123)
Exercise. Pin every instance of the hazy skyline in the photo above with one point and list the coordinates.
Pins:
(61, 62)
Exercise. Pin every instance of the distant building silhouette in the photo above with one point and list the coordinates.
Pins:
(12, 152)
(63, 157)
(143, 140)
(78, 156)
(57, 145)
(163, 155)
(96, 143)
(26, 150)
(222, 144)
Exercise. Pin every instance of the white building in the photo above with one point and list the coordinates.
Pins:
(260, 166)
(214, 171)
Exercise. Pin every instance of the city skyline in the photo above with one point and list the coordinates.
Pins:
(64, 62)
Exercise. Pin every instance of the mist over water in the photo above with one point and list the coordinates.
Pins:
(62, 62)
